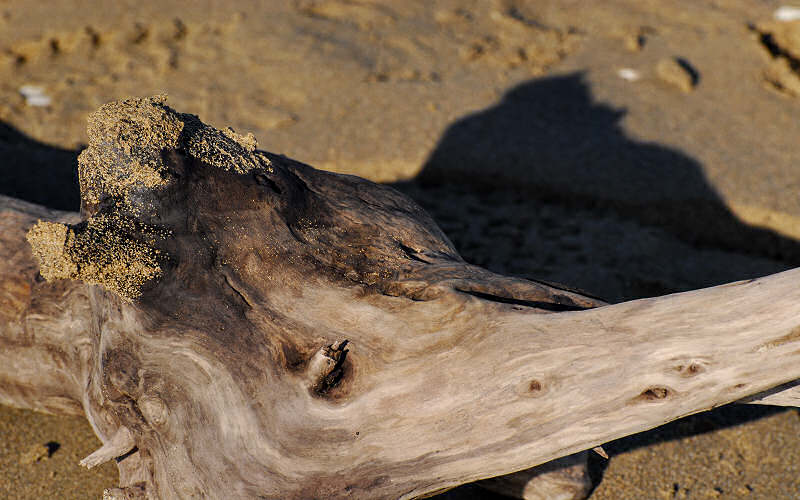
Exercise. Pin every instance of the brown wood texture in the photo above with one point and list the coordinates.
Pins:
(237, 324)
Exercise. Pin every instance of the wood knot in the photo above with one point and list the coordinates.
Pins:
(326, 367)
(110, 250)
(690, 369)
(533, 388)
(154, 410)
(655, 393)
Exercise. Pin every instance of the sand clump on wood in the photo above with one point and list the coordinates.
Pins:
(98, 252)
(143, 129)
(110, 248)
(104, 250)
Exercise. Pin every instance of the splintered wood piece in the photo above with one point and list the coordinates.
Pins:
(120, 444)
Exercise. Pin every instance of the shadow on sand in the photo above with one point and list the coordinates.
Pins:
(549, 138)
(36, 172)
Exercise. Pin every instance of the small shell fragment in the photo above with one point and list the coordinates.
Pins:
(787, 13)
(35, 96)
(120, 443)
(629, 74)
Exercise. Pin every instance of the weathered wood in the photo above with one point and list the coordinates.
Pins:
(236, 324)
(44, 340)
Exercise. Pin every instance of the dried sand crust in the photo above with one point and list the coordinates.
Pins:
(321, 81)
(99, 252)
(112, 249)
(100, 168)
(143, 129)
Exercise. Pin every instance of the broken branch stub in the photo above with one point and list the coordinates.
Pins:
(205, 340)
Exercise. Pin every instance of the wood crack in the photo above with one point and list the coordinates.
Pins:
(536, 304)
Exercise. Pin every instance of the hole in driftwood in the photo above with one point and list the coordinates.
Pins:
(55, 46)
(335, 376)
(776, 51)
(547, 306)
(410, 253)
(94, 37)
(694, 75)
(694, 369)
(654, 394)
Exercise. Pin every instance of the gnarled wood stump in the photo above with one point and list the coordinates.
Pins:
(235, 324)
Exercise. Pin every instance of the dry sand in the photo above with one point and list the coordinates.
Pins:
(626, 147)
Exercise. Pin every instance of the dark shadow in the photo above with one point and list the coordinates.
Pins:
(694, 75)
(549, 138)
(469, 492)
(52, 447)
(35, 172)
(548, 144)
(693, 425)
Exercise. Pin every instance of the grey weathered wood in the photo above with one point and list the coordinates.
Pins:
(198, 317)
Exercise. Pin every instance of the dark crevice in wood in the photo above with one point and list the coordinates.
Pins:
(241, 295)
(412, 254)
(332, 379)
(263, 180)
(126, 455)
(299, 237)
(570, 289)
(547, 306)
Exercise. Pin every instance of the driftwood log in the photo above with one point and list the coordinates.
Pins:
(235, 324)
